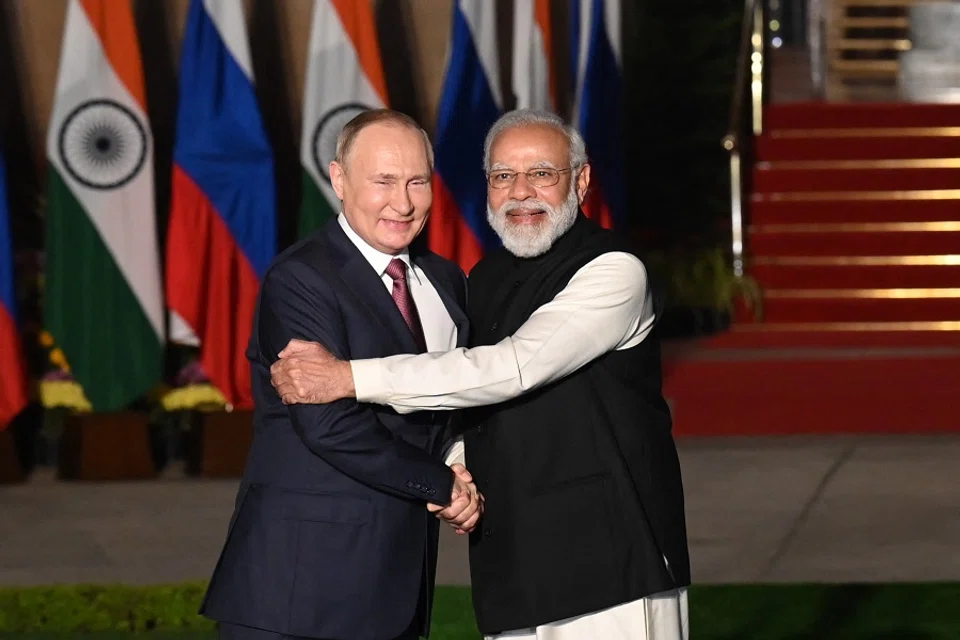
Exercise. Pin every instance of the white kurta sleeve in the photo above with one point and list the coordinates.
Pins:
(605, 306)
(454, 453)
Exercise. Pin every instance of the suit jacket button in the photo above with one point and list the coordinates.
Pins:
(495, 326)
(487, 532)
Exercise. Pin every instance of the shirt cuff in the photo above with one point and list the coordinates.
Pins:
(455, 453)
(368, 382)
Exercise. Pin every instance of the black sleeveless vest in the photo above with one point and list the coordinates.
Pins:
(584, 498)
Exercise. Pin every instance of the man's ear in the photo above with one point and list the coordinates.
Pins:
(583, 182)
(337, 177)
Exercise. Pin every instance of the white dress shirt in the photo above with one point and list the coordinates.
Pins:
(439, 329)
(605, 306)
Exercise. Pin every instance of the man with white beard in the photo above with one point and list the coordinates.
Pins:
(564, 429)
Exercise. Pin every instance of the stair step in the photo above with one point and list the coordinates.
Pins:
(866, 68)
(837, 148)
(816, 115)
(881, 3)
(860, 305)
(867, 132)
(892, 164)
(874, 44)
(880, 239)
(768, 180)
(769, 335)
(856, 22)
(845, 273)
(803, 391)
(765, 211)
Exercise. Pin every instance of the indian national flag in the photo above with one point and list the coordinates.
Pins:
(534, 77)
(102, 299)
(344, 77)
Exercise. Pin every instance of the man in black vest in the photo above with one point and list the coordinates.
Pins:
(566, 430)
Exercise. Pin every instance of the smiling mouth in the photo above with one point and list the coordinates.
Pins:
(521, 215)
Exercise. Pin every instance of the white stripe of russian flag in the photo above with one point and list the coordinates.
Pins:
(481, 17)
(582, 14)
(227, 16)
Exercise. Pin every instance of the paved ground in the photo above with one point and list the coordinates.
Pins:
(839, 509)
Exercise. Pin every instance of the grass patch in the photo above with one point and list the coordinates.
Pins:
(753, 612)
(826, 612)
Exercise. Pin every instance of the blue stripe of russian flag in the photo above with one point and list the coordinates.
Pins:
(13, 381)
(8, 297)
(221, 142)
(600, 105)
(467, 111)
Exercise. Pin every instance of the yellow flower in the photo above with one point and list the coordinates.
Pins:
(58, 358)
(46, 339)
(197, 397)
(62, 393)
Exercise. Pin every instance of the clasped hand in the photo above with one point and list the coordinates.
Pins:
(307, 373)
(466, 505)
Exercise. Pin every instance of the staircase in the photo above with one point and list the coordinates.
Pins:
(892, 49)
(854, 238)
(855, 224)
(863, 43)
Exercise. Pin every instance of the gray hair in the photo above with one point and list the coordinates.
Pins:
(533, 117)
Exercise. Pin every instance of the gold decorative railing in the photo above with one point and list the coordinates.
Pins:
(746, 118)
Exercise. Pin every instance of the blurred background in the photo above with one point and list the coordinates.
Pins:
(788, 169)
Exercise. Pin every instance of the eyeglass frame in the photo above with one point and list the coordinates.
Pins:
(513, 180)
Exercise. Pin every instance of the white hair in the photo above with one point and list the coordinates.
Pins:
(533, 117)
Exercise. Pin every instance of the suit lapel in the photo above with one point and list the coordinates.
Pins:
(445, 290)
(367, 287)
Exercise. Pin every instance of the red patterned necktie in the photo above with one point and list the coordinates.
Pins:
(397, 270)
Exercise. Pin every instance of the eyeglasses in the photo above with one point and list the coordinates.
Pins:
(540, 178)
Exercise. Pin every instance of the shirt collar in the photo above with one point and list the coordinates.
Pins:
(377, 259)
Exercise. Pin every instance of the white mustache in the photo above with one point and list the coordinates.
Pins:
(513, 205)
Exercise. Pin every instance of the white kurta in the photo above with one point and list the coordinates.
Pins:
(606, 306)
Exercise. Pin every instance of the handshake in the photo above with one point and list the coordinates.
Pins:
(466, 502)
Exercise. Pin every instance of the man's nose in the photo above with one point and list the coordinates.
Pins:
(521, 188)
(401, 201)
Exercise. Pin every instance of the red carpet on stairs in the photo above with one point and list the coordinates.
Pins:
(854, 237)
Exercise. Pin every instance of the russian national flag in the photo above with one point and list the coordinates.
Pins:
(598, 106)
(469, 105)
(13, 377)
(222, 232)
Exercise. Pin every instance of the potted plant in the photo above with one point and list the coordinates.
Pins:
(87, 445)
(702, 295)
(216, 437)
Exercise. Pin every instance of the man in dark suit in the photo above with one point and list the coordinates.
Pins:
(330, 537)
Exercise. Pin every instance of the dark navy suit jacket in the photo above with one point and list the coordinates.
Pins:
(330, 536)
